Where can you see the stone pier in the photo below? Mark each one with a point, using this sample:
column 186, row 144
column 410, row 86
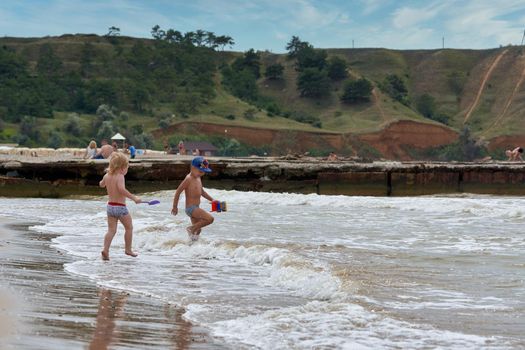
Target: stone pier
column 57, row 178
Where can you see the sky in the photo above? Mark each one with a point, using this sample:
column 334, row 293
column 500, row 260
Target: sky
column 270, row 24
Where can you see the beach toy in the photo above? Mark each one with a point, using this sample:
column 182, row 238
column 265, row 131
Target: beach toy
column 218, row 206
column 152, row 202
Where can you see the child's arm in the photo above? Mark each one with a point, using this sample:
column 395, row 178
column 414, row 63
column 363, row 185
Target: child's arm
column 182, row 187
column 206, row 195
column 102, row 182
column 122, row 189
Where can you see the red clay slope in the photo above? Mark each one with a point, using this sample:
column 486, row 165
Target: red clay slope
column 391, row 142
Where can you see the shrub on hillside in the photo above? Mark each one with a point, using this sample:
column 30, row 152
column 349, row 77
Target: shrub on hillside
column 106, row 130
column 54, row 140
column 426, row 105
column 395, row 87
column 337, row 68
column 313, row 82
column 72, row 125
column 144, row 140
column 28, row 127
column 164, row 124
column 274, row 71
column 355, row 91
column 250, row 113
column 106, row 112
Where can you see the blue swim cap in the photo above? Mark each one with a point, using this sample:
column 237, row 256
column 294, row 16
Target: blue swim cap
column 201, row 163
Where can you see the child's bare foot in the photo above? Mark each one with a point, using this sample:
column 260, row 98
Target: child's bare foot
column 105, row 256
column 189, row 229
column 133, row 254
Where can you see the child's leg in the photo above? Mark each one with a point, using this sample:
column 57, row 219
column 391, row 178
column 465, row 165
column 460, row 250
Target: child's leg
column 112, row 229
column 128, row 235
column 193, row 222
column 202, row 218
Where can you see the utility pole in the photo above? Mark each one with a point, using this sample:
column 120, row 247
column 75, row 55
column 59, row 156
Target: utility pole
column 352, row 43
column 523, row 38
column 443, row 42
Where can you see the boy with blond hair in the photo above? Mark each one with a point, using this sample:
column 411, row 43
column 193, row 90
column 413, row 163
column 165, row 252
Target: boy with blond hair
column 113, row 181
column 193, row 190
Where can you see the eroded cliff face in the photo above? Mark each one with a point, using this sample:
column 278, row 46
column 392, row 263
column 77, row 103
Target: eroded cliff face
column 506, row 142
column 391, row 142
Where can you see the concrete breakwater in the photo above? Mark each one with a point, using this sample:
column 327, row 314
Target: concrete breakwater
column 58, row 178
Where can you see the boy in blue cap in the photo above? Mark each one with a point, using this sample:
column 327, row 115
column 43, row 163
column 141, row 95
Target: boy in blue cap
column 193, row 190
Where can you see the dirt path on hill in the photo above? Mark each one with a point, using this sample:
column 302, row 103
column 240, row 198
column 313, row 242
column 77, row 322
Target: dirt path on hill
column 377, row 101
column 483, row 83
column 508, row 103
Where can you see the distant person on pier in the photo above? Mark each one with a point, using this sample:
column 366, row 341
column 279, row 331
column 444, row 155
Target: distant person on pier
column 332, row 157
column 182, row 149
column 131, row 149
column 91, row 150
column 105, row 151
column 515, row 154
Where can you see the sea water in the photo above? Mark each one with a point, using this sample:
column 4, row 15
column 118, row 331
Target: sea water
column 293, row 271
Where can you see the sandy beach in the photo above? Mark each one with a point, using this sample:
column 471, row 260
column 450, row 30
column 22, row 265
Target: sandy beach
column 52, row 309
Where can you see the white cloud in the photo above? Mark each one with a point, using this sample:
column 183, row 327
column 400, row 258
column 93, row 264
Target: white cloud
column 408, row 16
column 371, row 6
column 482, row 24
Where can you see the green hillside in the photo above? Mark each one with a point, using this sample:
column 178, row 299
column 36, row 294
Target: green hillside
column 52, row 87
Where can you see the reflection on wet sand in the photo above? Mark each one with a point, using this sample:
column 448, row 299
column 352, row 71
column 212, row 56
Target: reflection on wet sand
column 6, row 323
column 109, row 309
column 182, row 336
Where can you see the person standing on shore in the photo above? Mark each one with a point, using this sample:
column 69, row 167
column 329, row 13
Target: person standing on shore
column 116, row 209
column 193, row 190
column 515, row 154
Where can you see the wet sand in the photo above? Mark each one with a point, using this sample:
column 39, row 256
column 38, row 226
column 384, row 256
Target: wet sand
column 52, row 309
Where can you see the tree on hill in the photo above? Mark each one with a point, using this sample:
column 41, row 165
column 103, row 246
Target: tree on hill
column 86, row 59
column 466, row 148
column 240, row 83
column 337, row 68
column 28, row 127
column 357, row 91
column 113, row 31
column 224, row 40
column 313, row 82
column 308, row 57
column 274, row 71
column 100, row 92
column 295, row 45
column 250, row 61
column 395, row 87
column 426, row 105
column 49, row 65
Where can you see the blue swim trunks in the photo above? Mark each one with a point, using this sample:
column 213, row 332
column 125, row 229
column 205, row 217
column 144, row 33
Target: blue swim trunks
column 117, row 211
column 190, row 209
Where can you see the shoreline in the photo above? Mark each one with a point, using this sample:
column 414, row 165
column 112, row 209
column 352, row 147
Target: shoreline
column 59, row 310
